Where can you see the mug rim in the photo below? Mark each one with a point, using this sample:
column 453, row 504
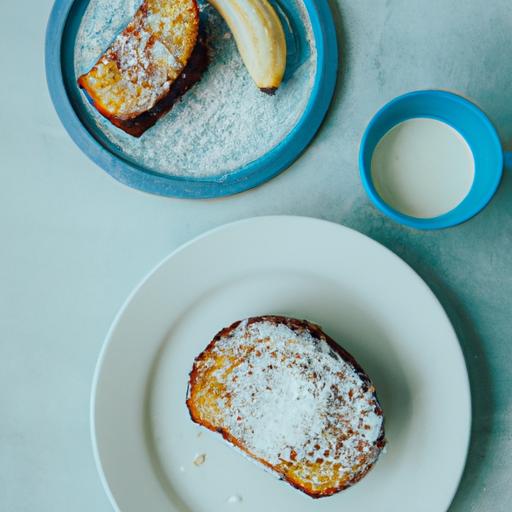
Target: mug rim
column 450, row 218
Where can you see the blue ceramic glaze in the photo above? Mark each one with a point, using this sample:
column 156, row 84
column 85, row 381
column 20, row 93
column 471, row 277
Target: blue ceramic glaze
column 469, row 121
column 61, row 33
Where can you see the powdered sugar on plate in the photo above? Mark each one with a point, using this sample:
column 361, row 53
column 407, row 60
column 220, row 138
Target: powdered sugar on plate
column 224, row 122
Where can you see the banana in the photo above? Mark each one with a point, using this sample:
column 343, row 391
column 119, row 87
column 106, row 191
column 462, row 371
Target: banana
column 260, row 39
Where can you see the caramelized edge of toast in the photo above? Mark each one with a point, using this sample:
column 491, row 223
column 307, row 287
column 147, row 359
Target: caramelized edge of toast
column 191, row 74
column 294, row 325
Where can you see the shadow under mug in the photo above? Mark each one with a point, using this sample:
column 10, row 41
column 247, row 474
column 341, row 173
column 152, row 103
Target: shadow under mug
column 469, row 121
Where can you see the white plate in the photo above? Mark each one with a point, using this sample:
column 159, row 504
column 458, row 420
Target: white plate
column 362, row 294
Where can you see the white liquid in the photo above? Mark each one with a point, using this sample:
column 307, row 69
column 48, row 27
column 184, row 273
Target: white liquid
column 423, row 168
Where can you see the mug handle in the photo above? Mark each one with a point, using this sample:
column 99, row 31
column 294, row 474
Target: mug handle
column 507, row 156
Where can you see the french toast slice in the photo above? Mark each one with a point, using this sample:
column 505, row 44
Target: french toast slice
column 288, row 396
column 149, row 65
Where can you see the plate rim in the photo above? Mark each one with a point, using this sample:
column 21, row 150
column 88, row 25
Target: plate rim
column 245, row 221
column 255, row 173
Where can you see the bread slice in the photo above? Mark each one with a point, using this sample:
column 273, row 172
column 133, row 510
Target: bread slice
column 284, row 393
column 148, row 66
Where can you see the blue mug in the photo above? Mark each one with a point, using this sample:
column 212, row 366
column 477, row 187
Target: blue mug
column 462, row 115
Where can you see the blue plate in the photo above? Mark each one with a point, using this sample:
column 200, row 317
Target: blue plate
column 61, row 33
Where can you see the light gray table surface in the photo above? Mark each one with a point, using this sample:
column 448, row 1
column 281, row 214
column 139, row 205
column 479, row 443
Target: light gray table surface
column 75, row 242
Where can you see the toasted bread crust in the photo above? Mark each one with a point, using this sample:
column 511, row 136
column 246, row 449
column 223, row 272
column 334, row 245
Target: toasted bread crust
column 149, row 65
column 197, row 384
column 189, row 77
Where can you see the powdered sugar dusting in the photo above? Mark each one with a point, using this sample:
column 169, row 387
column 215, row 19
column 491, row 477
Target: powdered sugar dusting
column 146, row 69
column 291, row 399
column 223, row 122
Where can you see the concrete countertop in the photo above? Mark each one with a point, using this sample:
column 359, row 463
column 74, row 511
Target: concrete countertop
column 75, row 241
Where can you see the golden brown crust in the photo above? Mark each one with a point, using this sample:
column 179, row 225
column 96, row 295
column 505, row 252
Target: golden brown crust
column 149, row 65
column 297, row 326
